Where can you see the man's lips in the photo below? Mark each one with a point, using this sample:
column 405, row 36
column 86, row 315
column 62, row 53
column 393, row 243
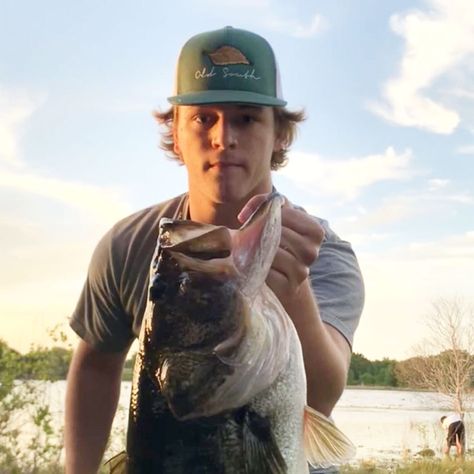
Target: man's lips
column 224, row 165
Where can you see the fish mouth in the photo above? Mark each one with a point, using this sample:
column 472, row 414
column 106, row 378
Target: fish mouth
column 247, row 250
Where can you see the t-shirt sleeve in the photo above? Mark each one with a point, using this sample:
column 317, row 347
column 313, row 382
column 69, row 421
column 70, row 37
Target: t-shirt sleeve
column 338, row 285
column 100, row 318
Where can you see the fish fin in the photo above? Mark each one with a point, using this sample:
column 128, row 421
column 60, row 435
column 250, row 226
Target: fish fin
column 118, row 464
column 262, row 352
column 261, row 452
column 324, row 444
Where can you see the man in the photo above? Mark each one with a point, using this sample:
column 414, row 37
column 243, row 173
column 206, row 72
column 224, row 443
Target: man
column 455, row 434
column 229, row 128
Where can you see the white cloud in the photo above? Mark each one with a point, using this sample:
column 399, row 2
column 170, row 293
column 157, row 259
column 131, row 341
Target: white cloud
column 97, row 201
column 453, row 247
column 15, row 108
column 462, row 93
column 465, row 150
column 437, row 183
column 394, row 209
column 436, row 41
column 347, row 178
column 460, row 198
column 239, row 4
column 402, row 284
column 402, row 207
column 296, row 28
column 277, row 19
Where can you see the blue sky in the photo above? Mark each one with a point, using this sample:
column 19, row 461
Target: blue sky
column 386, row 154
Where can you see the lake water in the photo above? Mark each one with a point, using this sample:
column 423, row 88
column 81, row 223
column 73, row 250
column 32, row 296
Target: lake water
column 383, row 424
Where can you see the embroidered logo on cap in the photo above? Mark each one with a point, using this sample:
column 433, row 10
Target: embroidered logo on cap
column 226, row 55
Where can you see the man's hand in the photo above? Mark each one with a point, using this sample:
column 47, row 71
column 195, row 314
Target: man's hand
column 326, row 353
column 301, row 238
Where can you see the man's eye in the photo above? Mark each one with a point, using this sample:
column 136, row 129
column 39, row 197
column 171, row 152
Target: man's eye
column 202, row 119
column 246, row 118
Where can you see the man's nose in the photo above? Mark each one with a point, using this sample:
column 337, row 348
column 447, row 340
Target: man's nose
column 223, row 134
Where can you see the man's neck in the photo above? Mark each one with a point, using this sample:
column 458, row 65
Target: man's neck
column 215, row 213
column 202, row 209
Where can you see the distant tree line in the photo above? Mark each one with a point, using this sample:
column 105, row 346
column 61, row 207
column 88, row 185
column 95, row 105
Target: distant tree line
column 53, row 363
column 424, row 373
column 363, row 371
column 39, row 364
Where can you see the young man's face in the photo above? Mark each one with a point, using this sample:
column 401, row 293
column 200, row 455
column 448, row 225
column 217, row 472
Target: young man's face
column 226, row 149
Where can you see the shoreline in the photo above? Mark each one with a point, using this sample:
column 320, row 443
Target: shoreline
column 387, row 387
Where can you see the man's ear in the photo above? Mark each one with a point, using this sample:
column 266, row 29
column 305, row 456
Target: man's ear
column 280, row 144
column 175, row 143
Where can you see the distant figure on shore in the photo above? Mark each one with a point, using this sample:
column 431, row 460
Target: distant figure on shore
column 456, row 434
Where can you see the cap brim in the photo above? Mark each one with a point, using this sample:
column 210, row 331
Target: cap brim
column 225, row 96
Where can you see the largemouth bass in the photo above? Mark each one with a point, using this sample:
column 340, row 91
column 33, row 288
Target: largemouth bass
column 219, row 383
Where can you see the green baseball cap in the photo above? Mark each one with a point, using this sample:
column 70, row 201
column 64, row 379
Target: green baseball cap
column 229, row 65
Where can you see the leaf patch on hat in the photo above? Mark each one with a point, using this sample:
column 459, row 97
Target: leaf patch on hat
column 226, row 55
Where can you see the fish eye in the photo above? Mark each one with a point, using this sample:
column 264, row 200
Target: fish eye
column 158, row 287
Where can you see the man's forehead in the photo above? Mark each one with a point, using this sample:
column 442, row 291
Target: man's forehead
column 223, row 107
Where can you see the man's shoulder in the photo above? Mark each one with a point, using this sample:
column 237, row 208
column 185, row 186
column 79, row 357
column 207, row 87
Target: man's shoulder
column 149, row 216
column 142, row 226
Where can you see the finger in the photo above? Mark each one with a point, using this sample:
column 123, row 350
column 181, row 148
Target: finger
column 281, row 285
column 277, row 282
column 302, row 223
column 292, row 270
column 303, row 249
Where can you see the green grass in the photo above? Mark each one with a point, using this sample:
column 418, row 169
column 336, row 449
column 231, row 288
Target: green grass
column 432, row 466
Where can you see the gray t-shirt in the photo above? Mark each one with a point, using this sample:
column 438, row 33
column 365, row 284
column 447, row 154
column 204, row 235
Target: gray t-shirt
column 111, row 306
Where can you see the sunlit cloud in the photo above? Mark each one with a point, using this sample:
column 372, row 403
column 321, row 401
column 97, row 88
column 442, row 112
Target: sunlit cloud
column 400, row 208
column 275, row 19
column 437, row 183
column 297, row 28
column 347, row 178
column 96, row 200
column 465, row 150
column 436, row 42
column 240, row 4
column 453, row 247
column 392, row 210
column 462, row 93
column 15, row 108
column 401, row 285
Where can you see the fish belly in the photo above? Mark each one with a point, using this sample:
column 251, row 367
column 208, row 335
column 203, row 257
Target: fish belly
column 283, row 403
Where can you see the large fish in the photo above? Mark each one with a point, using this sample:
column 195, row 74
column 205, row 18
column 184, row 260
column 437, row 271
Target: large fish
column 219, row 383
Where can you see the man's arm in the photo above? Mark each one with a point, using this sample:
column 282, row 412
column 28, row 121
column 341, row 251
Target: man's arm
column 326, row 352
column 93, row 390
